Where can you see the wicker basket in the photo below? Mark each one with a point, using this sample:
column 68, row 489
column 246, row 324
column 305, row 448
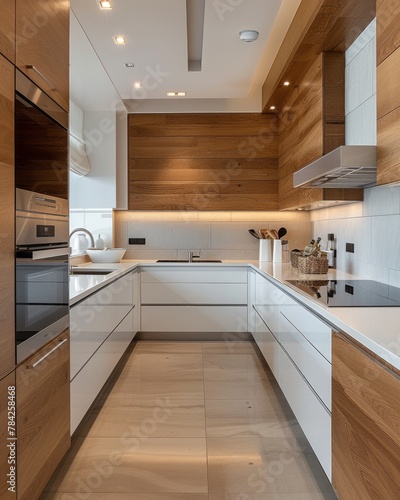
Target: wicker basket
column 294, row 257
column 312, row 264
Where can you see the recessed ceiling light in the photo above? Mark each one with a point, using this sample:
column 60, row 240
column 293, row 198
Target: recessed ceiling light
column 119, row 40
column 176, row 94
column 137, row 85
column 248, row 35
column 272, row 108
column 105, row 5
column 286, row 84
column 129, row 65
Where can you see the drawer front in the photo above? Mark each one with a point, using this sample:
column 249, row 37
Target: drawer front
column 43, row 398
column 193, row 319
column 318, row 333
column 268, row 299
column 197, row 274
column 315, row 368
column 313, row 418
column 268, row 345
column 193, row 293
column 89, row 331
column 118, row 292
column 90, row 380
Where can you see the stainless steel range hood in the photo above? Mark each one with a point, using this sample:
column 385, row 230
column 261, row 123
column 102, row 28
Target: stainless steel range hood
column 344, row 167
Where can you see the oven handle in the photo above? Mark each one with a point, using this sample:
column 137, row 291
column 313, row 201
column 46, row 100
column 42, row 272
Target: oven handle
column 43, row 254
column 61, row 342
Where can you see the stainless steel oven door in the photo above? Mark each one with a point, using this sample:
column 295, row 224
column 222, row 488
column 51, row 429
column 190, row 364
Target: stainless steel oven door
column 41, row 302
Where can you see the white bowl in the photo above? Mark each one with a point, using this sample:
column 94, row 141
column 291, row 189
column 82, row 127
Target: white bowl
column 106, row 255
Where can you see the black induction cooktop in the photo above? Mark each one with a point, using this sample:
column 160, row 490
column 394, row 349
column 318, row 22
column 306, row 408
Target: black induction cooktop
column 350, row 293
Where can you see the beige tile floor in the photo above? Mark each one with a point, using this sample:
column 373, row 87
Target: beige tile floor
column 190, row 421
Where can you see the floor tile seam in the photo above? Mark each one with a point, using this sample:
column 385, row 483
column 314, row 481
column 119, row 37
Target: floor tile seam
column 205, row 419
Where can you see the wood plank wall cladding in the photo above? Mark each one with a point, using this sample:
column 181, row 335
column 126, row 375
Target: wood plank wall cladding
column 388, row 91
column 203, row 161
column 311, row 125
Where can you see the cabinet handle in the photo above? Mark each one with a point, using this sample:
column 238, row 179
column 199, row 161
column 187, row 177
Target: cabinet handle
column 44, row 78
column 61, row 342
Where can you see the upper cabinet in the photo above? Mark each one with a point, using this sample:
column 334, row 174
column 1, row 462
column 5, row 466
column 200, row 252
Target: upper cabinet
column 42, row 48
column 388, row 91
column 7, row 29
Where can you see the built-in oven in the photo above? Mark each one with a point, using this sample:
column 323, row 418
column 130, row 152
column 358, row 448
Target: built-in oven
column 42, row 230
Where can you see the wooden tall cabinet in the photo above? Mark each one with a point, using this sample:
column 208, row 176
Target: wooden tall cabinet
column 43, row 409
column 388, row 91
column 42, row 53
column 7, row 29
column 7, row 335
column 365, row 424
column 7, row 444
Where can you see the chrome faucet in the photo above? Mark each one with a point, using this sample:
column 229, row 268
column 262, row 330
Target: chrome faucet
column 191, row 256
column 82, row 230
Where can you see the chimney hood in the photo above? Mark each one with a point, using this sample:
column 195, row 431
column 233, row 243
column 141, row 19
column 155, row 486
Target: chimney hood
column 344, row 167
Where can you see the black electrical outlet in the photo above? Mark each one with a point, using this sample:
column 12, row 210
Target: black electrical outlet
column 137, row 241
column 350, row 247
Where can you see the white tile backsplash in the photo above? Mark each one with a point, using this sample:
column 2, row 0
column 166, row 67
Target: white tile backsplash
column 216, row 236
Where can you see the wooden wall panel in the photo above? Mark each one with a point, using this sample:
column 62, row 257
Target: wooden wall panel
column 7, row 29
column 203, row 162
column 311, row 125
column 387, row 28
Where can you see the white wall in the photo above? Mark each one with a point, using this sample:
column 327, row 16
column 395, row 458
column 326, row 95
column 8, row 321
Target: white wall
column 373, row 225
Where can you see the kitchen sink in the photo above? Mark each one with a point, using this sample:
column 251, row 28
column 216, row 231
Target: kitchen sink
column 195, row 261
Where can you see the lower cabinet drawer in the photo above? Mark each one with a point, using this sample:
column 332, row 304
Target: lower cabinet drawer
column 267, row 344
column 318, row 333
column 91, row 378
column 89, row 329
column 313, row 418
column 315, row 368
column 193, row 318
column 193, row 293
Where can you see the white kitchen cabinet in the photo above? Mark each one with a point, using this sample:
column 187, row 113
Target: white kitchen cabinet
column 193, row 318
column 297, row 347
column 102, row 326
column 313, row 417
column 193, row 299
column 92, row 376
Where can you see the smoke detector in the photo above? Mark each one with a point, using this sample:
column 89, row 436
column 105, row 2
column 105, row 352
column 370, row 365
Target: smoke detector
column 248, row 35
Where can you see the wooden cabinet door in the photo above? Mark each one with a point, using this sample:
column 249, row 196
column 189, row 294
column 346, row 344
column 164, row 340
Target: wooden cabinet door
column 42, row 53
column 7, row 319
column 43, row 408
column 7, row 432
column 365, row 425
column 7, row 29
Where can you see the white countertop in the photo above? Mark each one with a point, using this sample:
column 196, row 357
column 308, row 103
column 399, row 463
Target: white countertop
column 377, row 328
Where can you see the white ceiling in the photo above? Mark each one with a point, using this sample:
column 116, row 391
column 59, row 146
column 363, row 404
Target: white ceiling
column 232, row 71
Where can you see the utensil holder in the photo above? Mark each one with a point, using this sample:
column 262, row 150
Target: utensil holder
column 277, row 251
column 266, row 250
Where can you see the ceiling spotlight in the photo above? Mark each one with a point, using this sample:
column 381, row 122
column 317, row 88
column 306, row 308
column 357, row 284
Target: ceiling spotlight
column 129, row 65
column 286, row 84
column 272, row 108
column 176, row 94
column 137, row 85
column 119, row 40
column 248, row 35
column 105, row 5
